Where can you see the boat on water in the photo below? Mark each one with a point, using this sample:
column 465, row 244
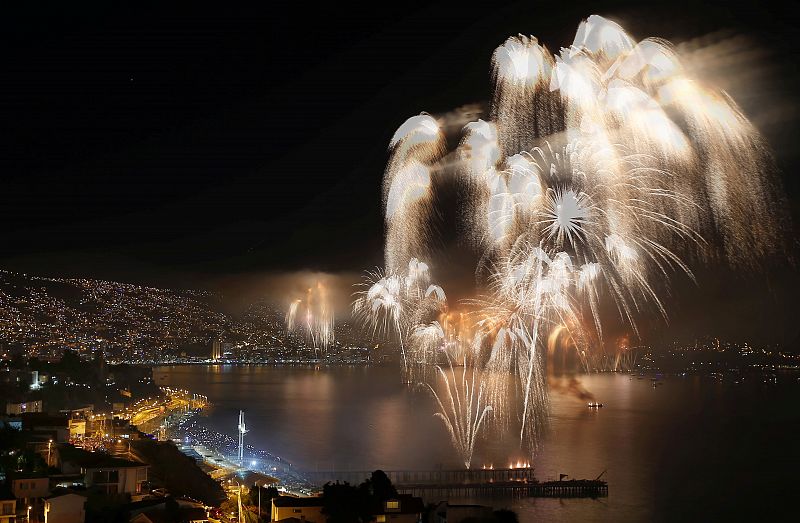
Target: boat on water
column 594, row 405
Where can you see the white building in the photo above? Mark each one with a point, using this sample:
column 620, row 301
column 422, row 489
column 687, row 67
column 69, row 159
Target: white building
column 117, row 476
column 8, row 505
column 29, row 488
column 302, row 509
column 14, row 408
column 102, row 472
column 66, row 507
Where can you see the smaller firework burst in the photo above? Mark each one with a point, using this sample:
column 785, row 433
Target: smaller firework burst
column 312, row 316
column 395, row 303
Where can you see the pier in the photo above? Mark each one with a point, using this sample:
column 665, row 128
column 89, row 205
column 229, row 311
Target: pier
column 579, row 488
column 487, row 482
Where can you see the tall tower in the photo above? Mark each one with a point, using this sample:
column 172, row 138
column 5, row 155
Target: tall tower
column 242, row 432
column 216, row 350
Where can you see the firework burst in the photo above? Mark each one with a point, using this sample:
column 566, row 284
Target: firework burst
column 599, row 175
column 395, row 303
column 313, row 317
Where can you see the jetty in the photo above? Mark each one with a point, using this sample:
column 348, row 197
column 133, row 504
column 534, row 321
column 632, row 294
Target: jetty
column 519, row 482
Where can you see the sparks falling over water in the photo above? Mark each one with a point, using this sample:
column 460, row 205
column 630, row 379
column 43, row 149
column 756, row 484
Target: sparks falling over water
column 463, row 410
column 312, row 316
column 600, row 174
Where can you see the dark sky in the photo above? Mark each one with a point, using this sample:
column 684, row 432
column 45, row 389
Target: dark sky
column 167, row 143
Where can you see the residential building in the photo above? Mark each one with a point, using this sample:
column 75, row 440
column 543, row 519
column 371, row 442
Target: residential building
column 14, row 408
column 157, row 511
column 46, row 427
column 30, row 489
column 116, row 476
column 102, row 472
column 302, row 509
column 8, row 505
column 65, row 506
column 402, row 509
column 77, row 429
column 195, row 515
column 30, row 486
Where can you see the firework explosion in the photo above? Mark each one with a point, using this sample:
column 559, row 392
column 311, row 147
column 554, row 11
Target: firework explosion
column 312, row 316
column 393, row 303
column 600, row 174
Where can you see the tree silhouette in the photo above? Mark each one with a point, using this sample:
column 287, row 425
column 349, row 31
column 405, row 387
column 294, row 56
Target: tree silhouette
column 344, row 503
column 505, row 516
column 267, row 493
column 380, row 486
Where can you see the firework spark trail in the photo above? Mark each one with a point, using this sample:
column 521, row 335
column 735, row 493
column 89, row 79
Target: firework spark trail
column 428, row 339
column 291, row 316
column 313, row 316
column 395, row 303
column 600, row 173
column 464, row 411
column 523, row 108
column 407, row 188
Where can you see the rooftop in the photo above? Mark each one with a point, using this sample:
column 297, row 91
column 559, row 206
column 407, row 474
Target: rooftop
column 5, row 492
column 293, row 501
column 13, row 475
column 60, row 492
column 95, row 460
column 33, row 420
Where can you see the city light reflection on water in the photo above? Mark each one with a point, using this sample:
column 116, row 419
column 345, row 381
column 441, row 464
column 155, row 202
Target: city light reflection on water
column 663, row 449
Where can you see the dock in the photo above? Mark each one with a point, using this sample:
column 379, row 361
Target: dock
column 517, row 482
column 579, row 488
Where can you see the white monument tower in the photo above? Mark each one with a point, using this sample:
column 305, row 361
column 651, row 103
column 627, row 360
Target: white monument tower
column 242, row 432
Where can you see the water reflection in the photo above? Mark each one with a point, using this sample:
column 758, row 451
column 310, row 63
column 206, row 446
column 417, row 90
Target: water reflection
column 690, row 448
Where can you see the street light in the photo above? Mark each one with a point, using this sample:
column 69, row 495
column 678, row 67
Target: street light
column 259, row 499
column 241, row 515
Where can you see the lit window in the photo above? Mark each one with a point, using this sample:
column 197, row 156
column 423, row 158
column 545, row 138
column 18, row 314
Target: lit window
column 393, row 505
column 381, row 518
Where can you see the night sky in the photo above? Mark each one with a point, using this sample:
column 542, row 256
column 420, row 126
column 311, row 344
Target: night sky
column 169, row 145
